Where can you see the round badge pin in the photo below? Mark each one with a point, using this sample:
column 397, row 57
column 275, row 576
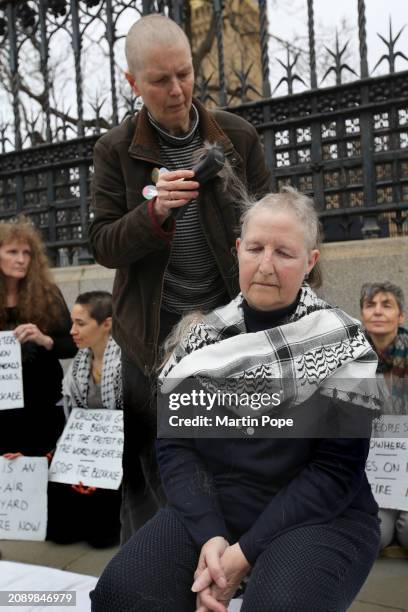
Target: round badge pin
column 149, row 192
column 155, row 175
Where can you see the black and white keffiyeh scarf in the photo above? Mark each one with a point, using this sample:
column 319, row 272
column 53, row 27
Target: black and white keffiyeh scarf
column 76, row 381
column 320, row 347
column 393, row 364
column 394, row 358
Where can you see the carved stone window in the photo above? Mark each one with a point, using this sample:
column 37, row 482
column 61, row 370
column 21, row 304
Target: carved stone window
column 384, row 195
column 356, row 198
column 332, row 178
column 303, row 135
column 381, row 121
column 62, row 216
column 330, row 151
column 383, row 172
column 352, row 125
column 282, row 159
column 282, row 138
column 403, row 116
column 8, row 201
column 381, row 143
column 76, row 232
column 353, row 148
column 303, row 156
column 326, row 104
column 43, row 220
column 355, row 176
column 35, row 190
column 63, row 233
column 306, row 182
column 332, row 201
column 404, row 140
column 329, row 130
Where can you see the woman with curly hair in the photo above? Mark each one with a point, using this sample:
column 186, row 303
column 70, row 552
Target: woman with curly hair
column 33, row 307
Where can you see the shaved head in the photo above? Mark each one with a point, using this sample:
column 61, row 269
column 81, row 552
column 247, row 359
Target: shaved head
column 150, row 32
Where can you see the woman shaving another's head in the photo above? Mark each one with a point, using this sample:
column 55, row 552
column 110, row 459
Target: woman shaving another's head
column 278, row 251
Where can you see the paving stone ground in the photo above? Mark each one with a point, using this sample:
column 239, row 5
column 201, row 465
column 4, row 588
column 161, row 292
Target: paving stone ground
column 386, row 589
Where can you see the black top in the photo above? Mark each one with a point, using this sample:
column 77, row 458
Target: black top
column 34, row 429
column 259, row 320
column 250, row 490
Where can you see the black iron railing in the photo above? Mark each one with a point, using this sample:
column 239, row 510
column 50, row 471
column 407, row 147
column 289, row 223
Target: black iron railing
column 346, row 144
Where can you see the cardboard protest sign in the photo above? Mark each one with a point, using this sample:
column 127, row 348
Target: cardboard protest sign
column 11, row 376
column 387, row 472
column 90, row 449
column 23, row 498
column 391, row 426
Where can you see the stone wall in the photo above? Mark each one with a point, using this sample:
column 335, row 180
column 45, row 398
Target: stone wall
column 346, row 266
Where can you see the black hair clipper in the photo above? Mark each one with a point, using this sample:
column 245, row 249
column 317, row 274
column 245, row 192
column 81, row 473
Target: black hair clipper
column 208, row 166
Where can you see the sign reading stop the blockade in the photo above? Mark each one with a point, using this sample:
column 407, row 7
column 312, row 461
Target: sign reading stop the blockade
column 90, row 449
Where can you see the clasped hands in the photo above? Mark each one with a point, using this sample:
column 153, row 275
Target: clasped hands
column 219, row 572
column 174, row 189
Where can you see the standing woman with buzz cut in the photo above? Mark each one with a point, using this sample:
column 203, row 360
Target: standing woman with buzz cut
column 165, row 266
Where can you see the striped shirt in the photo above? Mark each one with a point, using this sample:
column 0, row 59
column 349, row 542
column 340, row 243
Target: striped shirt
column 192, row 279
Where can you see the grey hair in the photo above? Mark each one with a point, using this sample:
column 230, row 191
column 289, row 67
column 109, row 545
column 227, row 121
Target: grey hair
column 289, row 199
column 177, row 335
column 370, row 290
column 231, row 183
column 147, row 31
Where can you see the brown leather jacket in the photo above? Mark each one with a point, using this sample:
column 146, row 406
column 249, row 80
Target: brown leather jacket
column 124, row 233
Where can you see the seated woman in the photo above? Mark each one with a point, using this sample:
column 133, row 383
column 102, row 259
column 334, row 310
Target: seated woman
column 296, row 517
column 93, row 380
column 382, row 314
column 32, row 306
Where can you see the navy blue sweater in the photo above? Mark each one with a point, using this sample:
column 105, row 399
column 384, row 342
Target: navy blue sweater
column 252, row 490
